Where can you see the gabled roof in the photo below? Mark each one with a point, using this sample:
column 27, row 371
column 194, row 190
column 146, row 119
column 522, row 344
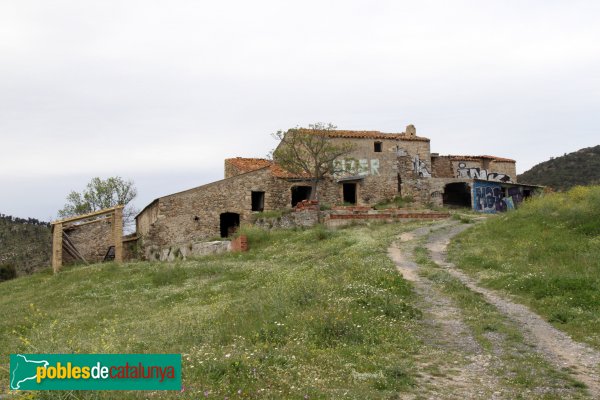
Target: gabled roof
column 364, row 135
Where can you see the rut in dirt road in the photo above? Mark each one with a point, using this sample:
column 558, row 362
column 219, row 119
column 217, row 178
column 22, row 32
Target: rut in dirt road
column 481, row 373
column 556, row 346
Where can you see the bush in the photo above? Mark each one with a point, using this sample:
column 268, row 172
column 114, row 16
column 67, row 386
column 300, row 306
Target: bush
column 396, row 202
column 7, row 272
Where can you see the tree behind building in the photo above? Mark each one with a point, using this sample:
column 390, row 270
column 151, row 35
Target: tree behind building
column 310, row 152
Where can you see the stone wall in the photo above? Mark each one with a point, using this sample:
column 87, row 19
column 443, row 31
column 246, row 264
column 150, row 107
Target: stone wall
column 194, row 214
column 442, row 167
column 380, row 171
column 91, row 240
column 301, row 218
column 501, row 171
column 146, row 218
column 184, row 251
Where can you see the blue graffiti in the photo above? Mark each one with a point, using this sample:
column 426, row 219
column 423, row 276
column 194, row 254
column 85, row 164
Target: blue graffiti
column 489, row 197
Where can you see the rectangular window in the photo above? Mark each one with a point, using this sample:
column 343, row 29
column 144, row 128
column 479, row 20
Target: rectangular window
column 378, row 146
column 258, row 201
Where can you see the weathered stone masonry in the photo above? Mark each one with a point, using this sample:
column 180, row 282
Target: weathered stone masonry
column 381, row 166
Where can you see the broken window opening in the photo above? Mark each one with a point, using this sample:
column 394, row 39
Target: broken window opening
column 300, row 193
column 378, row 147
column 258, row 201
column 229, row 224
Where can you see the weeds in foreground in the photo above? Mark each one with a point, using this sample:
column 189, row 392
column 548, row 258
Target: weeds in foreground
column 313, row 312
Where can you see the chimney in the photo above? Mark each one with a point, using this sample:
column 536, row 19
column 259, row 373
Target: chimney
column 411, row 130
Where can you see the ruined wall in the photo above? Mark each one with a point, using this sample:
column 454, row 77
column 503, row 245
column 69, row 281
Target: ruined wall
column 231, row 170
column 492, row 197
column 378, row 169
column 504, row 167
column 92, row 241
column 194, row 215
column 410, row 159
column 442, row 167
column 488, row 171
column 146, row 218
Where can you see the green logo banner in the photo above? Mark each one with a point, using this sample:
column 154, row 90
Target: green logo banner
column 95, row 371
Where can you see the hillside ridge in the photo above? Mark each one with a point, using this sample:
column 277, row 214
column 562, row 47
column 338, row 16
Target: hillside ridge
column 581, row 167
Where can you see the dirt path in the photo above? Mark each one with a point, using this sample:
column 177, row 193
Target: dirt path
column 478, row 376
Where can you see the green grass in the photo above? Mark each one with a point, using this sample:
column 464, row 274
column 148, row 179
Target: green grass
column 518, row 369
column 396, row 202
column 314, row 313
column 547, row 253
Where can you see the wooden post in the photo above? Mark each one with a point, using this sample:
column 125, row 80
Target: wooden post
column 118, row 234
column 57, row 244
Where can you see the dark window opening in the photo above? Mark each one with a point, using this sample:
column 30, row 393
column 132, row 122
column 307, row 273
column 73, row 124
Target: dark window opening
column 258, row 201
column 457, row 194
column 349, row 190
column 399, row 185
column 526, row 193
column 378, row 147
column 300, row 193
column 229, row 223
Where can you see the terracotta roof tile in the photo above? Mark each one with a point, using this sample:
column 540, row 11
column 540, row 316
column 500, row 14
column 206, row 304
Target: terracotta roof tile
column 366, row 135
column 279, row 172
column 248, row 164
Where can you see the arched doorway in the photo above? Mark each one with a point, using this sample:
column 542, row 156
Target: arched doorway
column 229, row 223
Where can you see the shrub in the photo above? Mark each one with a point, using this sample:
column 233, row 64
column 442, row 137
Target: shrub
column 396, row 202
column 7, row 271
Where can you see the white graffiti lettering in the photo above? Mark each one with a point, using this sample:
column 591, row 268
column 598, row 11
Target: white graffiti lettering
column 420, row 168
column 374, row 166
column 362, row 167
column 478, row 173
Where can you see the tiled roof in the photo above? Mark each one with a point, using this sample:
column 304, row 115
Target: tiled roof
column 478, row 158
column 248, row 164
column 252, row 164
column 365, row 135
column 279, row 172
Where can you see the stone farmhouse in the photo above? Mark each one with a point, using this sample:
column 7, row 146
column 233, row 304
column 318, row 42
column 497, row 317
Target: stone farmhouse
column 381, row 166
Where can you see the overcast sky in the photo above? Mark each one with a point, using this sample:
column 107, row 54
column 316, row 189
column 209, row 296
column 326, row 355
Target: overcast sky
column 162, row 92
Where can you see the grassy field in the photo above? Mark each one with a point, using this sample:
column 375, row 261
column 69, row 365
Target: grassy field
column 547, row 253
column 284, row 320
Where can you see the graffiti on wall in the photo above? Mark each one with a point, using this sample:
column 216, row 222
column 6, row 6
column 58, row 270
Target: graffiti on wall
column 478, row 173
column 487, row 197
column 420, row 168
column 357, row 167
column 490, row 197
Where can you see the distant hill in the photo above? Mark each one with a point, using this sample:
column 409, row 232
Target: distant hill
column 25, row 243
column 561, row 173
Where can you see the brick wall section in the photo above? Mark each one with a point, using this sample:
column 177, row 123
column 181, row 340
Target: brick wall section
column 239, row 244
column 92, row 241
